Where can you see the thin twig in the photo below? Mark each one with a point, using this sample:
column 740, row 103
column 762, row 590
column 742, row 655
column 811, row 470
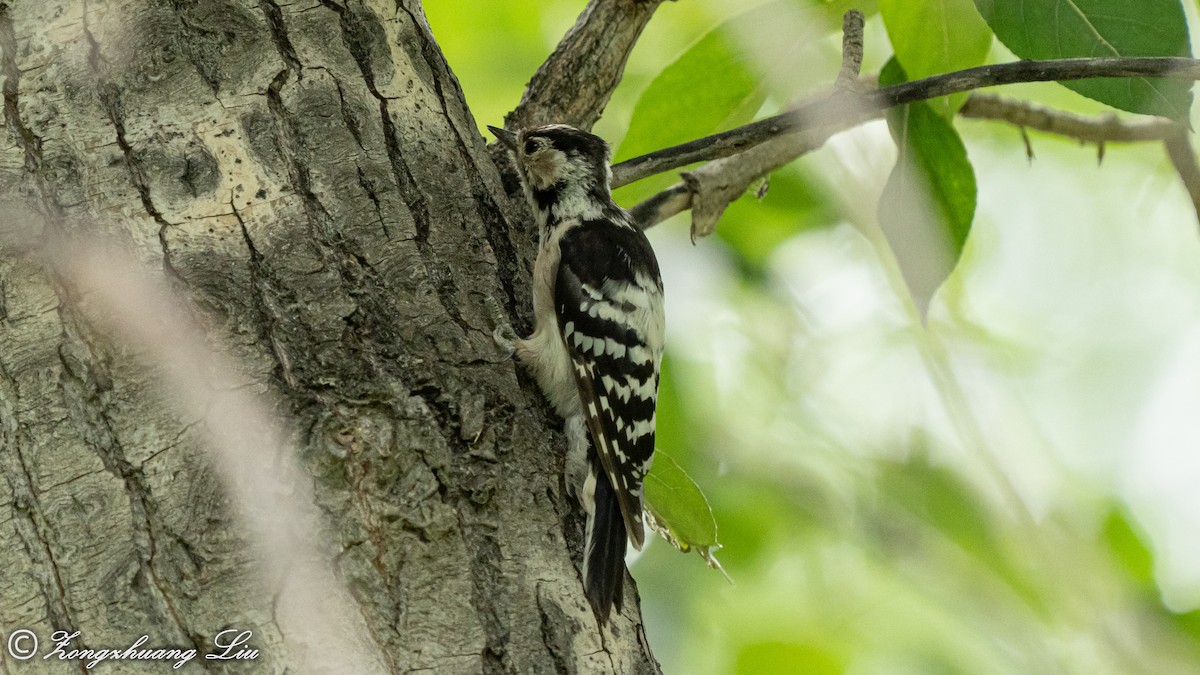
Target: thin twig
column 574, row 84
column 1104, row 129
column 843, row 110
column 1100, row 130
column 852, row 51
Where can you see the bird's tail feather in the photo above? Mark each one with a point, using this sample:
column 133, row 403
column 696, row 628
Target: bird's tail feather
column 604, row 552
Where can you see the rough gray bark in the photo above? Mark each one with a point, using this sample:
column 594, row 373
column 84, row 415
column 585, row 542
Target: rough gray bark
column 309, row 176
column 574, row 84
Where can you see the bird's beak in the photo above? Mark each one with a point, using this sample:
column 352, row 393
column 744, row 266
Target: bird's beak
column 506, row 137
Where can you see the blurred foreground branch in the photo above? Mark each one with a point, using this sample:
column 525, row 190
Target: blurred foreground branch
column 269, row 494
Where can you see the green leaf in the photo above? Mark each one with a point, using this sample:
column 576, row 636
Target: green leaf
column 932, row 152
column 710, row 83
column 1056, row 29
column 679, row 511
column 938, row 497
column 932, row 187
column 931, row 37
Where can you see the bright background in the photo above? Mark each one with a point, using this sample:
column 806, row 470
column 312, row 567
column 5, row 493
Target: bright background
column 1012, row 488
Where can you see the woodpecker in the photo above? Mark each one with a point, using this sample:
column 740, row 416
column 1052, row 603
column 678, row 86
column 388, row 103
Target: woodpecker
column 597, row 342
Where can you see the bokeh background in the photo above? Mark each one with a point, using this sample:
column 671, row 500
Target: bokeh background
column 1009, row 485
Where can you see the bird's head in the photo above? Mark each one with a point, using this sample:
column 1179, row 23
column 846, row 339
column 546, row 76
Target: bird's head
column 565, row 169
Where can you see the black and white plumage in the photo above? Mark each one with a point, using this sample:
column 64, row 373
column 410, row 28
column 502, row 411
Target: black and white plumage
column 598, row 338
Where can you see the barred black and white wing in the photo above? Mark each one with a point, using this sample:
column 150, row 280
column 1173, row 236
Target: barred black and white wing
column 608, row 294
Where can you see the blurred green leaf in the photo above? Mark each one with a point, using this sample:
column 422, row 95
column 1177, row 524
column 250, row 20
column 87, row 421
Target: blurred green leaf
column 931, row 37
column 940, row 499
column 718, row 83
column 709, row 87
column 671, row 423
column 470, row 33
column 787, row 657
column 1056, row 29
column 1188, row 623
column 1128, row 549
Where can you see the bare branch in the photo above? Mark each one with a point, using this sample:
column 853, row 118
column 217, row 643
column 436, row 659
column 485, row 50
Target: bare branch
column 709, row 189
column 576, row 81
column 1179, row 150
column 674, row 200
column 844, row 110
column 1105, row 129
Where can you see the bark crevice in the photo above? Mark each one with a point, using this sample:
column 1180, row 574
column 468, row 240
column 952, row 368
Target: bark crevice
column 110, row 99
column 261, row 283
column 439, row 273
column 28, row 517
column 85, row 387
column 30, row 143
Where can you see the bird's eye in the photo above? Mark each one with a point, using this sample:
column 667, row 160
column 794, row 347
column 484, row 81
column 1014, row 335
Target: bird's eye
column 531, row 146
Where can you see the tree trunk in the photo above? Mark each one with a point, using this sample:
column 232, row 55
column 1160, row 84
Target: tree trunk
column 309, row 177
